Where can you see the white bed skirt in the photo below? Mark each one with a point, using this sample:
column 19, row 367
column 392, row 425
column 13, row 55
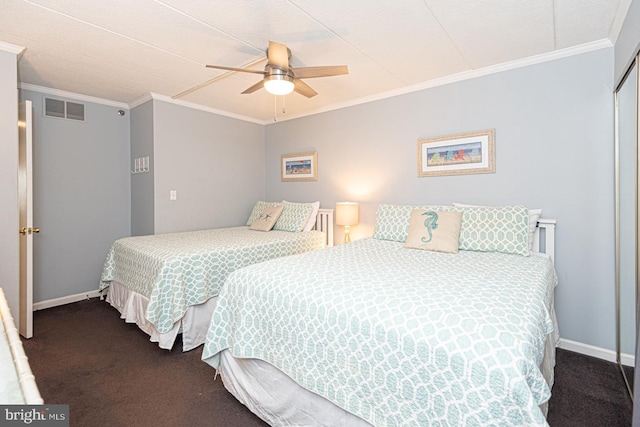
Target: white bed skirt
column 133, row 306
column 278, row 400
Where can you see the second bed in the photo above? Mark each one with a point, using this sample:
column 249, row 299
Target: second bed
column 168, row 283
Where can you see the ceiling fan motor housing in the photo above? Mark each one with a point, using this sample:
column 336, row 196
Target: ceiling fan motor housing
column 280, row 78
column 277, row 81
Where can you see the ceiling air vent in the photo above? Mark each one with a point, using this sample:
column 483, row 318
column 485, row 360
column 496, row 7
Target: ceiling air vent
column 63, row 109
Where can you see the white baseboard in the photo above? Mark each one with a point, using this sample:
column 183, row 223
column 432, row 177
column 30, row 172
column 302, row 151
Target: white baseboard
column 599, row 352
column 65, row 300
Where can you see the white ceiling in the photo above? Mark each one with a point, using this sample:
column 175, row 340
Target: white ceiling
column 125, row 50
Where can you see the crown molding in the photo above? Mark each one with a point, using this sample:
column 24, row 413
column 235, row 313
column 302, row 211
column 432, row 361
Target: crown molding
column 465, row 75
column 11, row 48
column 195, row 106
column 78, row 96
column 144, row 98
column 618, row 22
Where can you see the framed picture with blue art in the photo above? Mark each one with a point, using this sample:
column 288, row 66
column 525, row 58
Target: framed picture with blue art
column 460, row 154
column 300, row 167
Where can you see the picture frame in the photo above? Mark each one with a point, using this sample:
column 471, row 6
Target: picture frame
column 459, row 154
column 299, row 167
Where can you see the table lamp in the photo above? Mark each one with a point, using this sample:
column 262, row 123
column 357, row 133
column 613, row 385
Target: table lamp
column 346, row 215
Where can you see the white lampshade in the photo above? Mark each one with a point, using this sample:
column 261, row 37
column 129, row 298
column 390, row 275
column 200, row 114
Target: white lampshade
column 346, row 213
column 279, row 84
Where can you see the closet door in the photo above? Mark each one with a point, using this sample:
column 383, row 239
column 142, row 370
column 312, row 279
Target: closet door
column 626, row 158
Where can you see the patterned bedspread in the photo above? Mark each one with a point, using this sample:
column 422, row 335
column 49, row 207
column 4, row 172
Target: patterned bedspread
column 177, row 270
column 398, row 336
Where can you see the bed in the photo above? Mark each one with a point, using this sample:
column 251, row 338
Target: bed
column 168, row 283
column 375, row 333
column 17, row 383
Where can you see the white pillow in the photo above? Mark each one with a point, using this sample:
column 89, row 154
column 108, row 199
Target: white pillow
column 311, row 222
column 534, row 216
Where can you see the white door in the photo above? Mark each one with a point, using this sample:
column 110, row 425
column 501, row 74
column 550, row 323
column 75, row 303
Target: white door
column 25, row 201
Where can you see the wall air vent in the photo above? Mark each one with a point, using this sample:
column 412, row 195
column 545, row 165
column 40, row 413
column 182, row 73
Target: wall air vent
column 63, row 109
column 75, row 111
column 54, row 108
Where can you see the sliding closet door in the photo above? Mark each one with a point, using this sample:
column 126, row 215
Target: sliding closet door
column 627, row 218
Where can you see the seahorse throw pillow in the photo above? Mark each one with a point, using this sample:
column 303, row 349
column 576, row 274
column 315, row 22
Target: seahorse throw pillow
column 434, row 231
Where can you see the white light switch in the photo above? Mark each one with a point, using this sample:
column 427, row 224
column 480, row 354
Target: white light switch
column 173, row 195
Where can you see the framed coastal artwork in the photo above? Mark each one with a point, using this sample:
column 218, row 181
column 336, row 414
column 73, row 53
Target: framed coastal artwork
column 460, row 154
column 300, row 167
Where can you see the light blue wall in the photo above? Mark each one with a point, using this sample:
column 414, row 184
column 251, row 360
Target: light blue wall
column 9, row 250
column 81, row 185
column 554, row 150
column 215, row 163
column 142, row 200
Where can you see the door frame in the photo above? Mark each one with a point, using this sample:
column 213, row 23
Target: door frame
column 25, row 206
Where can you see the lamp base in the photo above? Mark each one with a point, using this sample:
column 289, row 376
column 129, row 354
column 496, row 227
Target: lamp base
column 347, row 234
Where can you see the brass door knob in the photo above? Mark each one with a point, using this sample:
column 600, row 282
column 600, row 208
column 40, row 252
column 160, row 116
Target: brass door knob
column 28, row 230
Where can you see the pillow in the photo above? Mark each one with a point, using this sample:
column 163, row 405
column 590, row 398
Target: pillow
column 392, row 221
column 258, row 208
column 534, row 216
column 311, row 222
column 294, row 216
column 267, row 219
column 487, row 229
column 434, row 231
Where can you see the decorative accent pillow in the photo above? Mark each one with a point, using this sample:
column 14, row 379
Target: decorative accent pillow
column 311, row 222
column 487, row 229
column 294, row 216
column 534, row 216
column 258, row 208
column 392, row 221
column 267, row 219
column 434, row 231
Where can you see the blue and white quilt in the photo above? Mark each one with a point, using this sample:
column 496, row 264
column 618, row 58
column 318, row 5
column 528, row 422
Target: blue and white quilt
column 178, row 270
column 398, row 336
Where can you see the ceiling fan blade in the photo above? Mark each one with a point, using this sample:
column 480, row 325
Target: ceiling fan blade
column 326, row 71
column 278, row 55
column 242, row 70
column 304, row 89
column 254, row 88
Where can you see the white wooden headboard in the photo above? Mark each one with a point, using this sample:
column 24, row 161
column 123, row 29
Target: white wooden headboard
column 549, row 227
column 324, row 223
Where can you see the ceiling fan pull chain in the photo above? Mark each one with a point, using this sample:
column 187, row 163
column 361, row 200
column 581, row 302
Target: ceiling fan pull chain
column 284, row 105
column 275, row 108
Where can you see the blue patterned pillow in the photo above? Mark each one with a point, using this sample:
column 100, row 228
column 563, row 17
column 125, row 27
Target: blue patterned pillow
column 534, row 216
column 392, row 221
column 486, row 229
column 294, row 216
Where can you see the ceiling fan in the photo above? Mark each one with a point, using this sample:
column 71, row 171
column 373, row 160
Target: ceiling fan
column 280, row 78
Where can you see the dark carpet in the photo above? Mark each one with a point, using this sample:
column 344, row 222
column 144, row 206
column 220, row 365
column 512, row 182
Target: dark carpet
column 109, row 374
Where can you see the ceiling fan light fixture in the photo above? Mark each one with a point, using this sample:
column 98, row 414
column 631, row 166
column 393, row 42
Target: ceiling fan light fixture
column 279, row 84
